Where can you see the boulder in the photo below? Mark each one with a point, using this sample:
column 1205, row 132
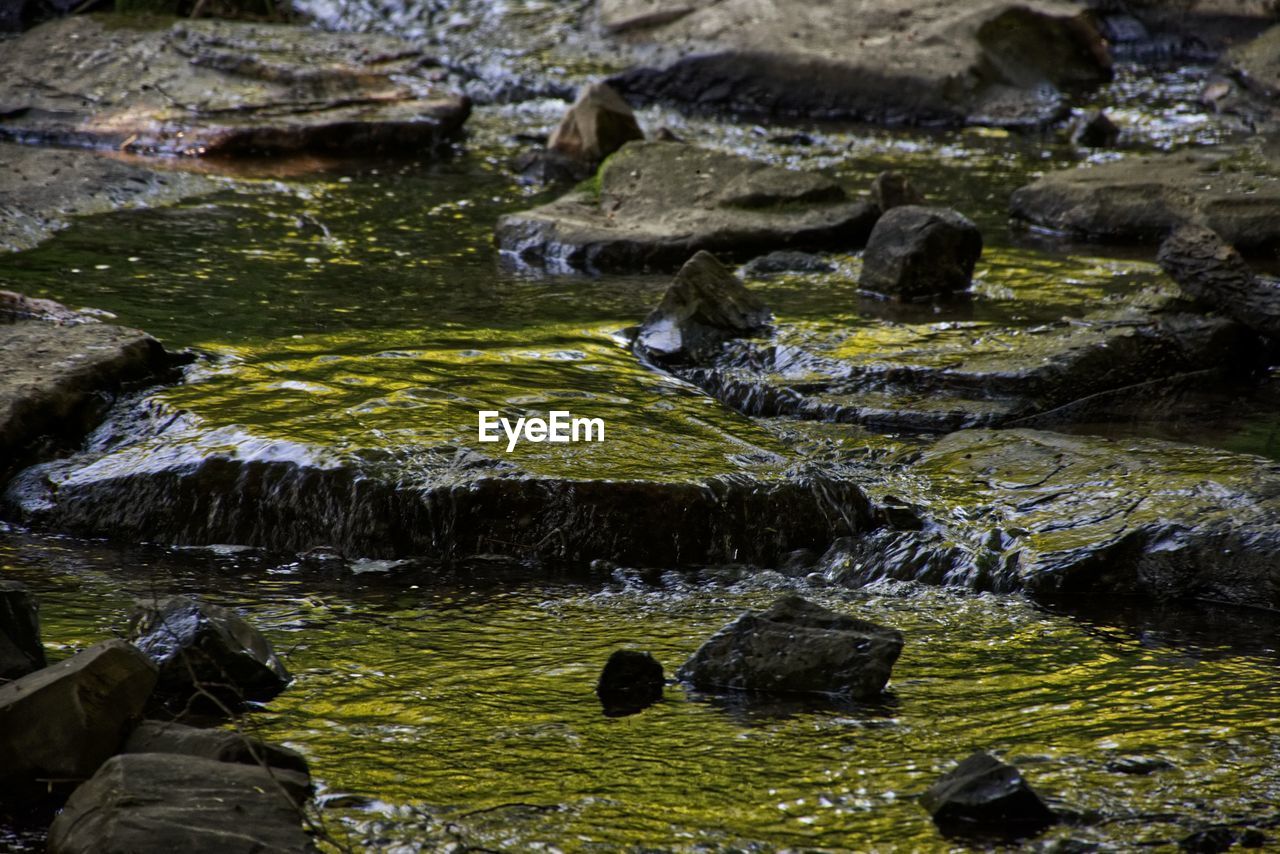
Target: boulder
column 598, row 124
column 630, row 682
column 218, row 744
column 210, row 87
column 953, row 62
column 1210, row 270
column 20, row 649
column 652, row 205
column 984, row 796
column 916, row 251
column 59, row 724
column 892, row 190
column 796, row 647
column 168, row 802
column 203, row 648
column 705, row 306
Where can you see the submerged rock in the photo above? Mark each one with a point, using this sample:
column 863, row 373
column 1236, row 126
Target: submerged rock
column 169, row 802
column 630, row 682
column 212, row 87
column 217, row 744
column 705, row 306
column 917, row 251
column 654, row 204
column 20, row 649
column 796, row 647
column 984, row 796
column 598, row 124
column 59, row 724
column 787, row 261
column 954, row 62
column 1210, row 270
column 202, row 648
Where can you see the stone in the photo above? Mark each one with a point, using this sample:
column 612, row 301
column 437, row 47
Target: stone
column 595, row 126
column 168, row 802
column 653, row 205
column 952, row 62
column 630, row 682
column 210, row 87
column 892, row 190
column 1256, row 63
column 217, row 744
column 20, row 649
column 917, row 251
column 58, row 724
column 796, row 647
column 983, row 795
column 705, row 306
column 1096, row 130
column 786, row 261
column 201, row 647
column 1210, row 270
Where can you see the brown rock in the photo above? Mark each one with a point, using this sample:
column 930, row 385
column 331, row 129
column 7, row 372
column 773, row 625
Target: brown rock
column 598, row 124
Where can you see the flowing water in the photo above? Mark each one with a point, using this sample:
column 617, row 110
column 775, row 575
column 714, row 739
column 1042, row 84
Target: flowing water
column 361, row 311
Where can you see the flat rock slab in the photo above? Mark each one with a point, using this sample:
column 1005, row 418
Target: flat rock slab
column 1143, row 199
column 654, row 204
column 150, row 86
column 953, row 62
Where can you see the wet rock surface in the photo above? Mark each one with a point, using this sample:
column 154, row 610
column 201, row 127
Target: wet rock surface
column 654, row 204
column 984, row 796
column 1209, row 269
column 796, row 647
column 988, row 62
column 630, row 682
column 20, row 649
column 59, row 724
column 219, row 745
column 161, row 802
column 214, row 87
column 916, row 251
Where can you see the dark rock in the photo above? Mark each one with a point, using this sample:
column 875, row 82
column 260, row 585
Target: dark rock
column 796, row 647
column 217, row 744
column 787, row 261
column 168, row 802
column 1138, row 766
column 654, row 204
column 984, row 796
column 1096, row 130
column 59, row 724
column 917, row 251
column 203, row 648
column 705, row 306
column 1209, row 840
column 953, row 62
column 630, row 682
column 20, row 649
column 211, row 87
column 1210, row 270
column 598, row 124
column 551, row 167
column 893, row 190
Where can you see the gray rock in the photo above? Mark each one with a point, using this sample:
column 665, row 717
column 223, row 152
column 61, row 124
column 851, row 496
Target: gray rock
column 705, row 306
column 787, row 261
column 983, row 795
column 60, row 723
column 199, row 646
column 796, row 647
column 1210, row 270
column 893, row 189
column 595, row 126
column 652, row 205
column 1256, row 63
column 168, row 802
column 919, row 251
column 20, row 649
column 630, row 682
column 218, row 744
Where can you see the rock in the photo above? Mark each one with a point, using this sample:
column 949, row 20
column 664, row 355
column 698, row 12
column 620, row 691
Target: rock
column 982, row 796
column 168, row 802
column 598, row 124
column 1096, row 130
column 953, row 62
column 199, row 646
column 1256, row 63
column 917, row 251
column 892, row 190
column 20, row 649
column 1210, row 270
column 1139, row 766
column 217, row 744
column 705, row 306
column 211, row 87
column 1144, row 198
column 57, row 379
column 654, row 204
column 796, row 647
column 550, row 167
column 1209, row 840
column 60, row 723
column 630, row 682
column 786, row 261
